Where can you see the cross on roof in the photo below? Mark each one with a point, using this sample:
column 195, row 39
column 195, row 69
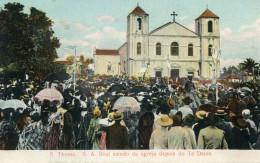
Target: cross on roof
column 173, row 14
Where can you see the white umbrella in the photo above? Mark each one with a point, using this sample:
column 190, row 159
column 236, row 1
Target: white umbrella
column 127, row 104
column 49, row 94
column 14, row 103
column 245, row 89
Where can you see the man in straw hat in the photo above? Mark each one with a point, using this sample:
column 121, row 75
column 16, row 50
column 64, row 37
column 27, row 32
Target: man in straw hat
column 159, row 137
column 178, row 137
column 201, row 123
column 116, row 137
column 240, row 134
column 186, row 110
column 224, row 125
column 211, row 137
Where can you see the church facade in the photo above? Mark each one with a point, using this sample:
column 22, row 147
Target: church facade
column 170, row 50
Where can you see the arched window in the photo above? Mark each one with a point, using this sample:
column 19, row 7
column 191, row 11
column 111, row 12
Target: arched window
column 175, row 49
column 158, row 49
column 190, row 50
column 138, row 49
column 210, row 26
column 209, row 50
column 139, row 23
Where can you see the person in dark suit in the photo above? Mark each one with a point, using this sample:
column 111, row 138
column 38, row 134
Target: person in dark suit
column 116, row 137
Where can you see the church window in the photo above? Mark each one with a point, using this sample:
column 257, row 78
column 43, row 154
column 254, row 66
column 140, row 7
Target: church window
column 158, row 49
column 190, row 50
column 175, row 49
column 109, row 66
column 210, row 26
column 210, row 50
column 138, row 49
column 139, row 23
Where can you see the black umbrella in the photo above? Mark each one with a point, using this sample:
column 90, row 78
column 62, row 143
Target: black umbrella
column 60, row 76
column 138, row 89
column 116, row 88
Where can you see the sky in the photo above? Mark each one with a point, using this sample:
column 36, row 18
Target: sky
column 102, row 23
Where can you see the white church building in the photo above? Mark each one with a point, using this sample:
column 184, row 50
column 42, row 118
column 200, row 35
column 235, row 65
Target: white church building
column 170, row 50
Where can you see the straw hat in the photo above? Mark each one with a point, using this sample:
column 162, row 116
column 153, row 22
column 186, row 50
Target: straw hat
column 208, row 108
column 118, row 115
column 164, row 120
column 170, row 103
column 239, row 123
column 220, row 112
column 120, row 94
column 246, row 113
column 201, row 114
column 187, row 99
column 154, row 99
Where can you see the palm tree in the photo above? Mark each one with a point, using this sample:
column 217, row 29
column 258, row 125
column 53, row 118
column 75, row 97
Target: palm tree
column 248, row 64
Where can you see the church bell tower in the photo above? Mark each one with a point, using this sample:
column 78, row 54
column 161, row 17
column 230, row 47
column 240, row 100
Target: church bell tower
column 137, row 40
column 207, row 27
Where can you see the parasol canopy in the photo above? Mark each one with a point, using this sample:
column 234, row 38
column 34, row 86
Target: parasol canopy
column 14, row 103
column 127, row 104
column 245, row 89
column 49, row 94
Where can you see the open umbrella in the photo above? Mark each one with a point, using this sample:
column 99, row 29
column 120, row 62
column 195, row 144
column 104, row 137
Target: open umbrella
column 127, row 104
column 139, row 88
column 49, row 94
column 60, row 76
column 245, row 89
column 14, row 103
column 116, row 88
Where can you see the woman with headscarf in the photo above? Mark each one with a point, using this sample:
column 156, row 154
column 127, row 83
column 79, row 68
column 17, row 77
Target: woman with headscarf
column 52, row 138
column 145, row 128
column 68, row 137
column 188, row 121
column 105, row 123
column 8, row 131
column 93, row 133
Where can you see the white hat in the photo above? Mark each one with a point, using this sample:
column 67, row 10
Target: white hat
column 246, row 112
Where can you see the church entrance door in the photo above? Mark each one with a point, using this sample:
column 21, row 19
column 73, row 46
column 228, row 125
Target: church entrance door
column 175, row 73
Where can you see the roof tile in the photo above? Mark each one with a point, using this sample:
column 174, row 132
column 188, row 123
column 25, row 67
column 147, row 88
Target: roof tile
column 138, row 11
column 106, row 52
column 207, row 14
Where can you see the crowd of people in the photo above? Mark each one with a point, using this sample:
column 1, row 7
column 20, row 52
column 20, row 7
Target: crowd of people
column 168, row 116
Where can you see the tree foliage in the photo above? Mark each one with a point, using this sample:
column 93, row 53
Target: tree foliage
column 27, row 43
column 248, row 65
